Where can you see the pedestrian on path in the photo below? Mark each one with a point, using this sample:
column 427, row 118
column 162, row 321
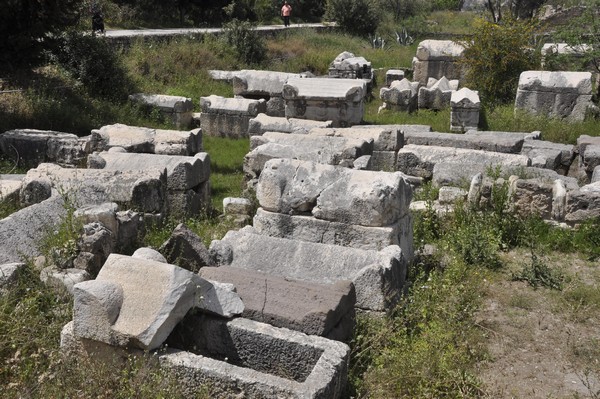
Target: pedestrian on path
column 286, row 11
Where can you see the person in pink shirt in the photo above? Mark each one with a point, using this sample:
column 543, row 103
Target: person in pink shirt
column 286, row 11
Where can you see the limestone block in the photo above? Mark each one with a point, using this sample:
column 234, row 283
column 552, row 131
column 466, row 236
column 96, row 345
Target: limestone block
column 437, row 96
column 96, row 307
column 363, row 163
column 105, row 213
column 559, row 200
column 260, row 83
column 475, row 189
column 347, row 65
column 177, row 109
column 338, row 100
column 385, row 138
column 314, row 148
column 535, row 135
column 183, row 172
column 417, row 160
column 532, row 197
column 131, row 228
column 63, row 278
column 185, row 249
column 393, row 74
column 465, row 106
column 237, row 206
column 9, row 273
column 590, row 158
column 156, row 296
column 150, row 254
column 19, row 232
column 36, row 146
column 146, row 140
column 377, row 276
column 10, row 188
column 265, row 123
column 228, row 117
column 439, row 50
column 226, row 76
column 555, row 94
column 310, row 229
column 451, row 195
column 143, row 190
column 383, row 160
column 583, row 204
column 401, row 95
column 510, row 144
column 314, row 309
column 332, row 193
column 557, row 156
column 289, row 364
column 97, row 241
column 595, row 175
column 436, row 58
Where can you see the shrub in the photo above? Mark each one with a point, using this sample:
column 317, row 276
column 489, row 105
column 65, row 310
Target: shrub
column 249, row 46
column 357, row 17
column 495, row 57
column 95, row 64
column 538, row 274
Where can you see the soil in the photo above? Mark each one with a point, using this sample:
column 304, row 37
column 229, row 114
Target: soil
column 541, row 342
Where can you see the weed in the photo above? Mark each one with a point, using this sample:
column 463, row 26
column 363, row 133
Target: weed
column 538, row 274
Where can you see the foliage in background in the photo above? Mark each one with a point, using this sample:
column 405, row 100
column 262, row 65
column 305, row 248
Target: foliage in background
column 495, row 56
column 95, row 64
column 28, row 26
column 248, row 44
column 357, row 17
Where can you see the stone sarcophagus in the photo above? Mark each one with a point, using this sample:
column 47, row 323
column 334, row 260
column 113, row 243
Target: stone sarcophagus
column 229, row 117
column 267, row 85
column 338, row 100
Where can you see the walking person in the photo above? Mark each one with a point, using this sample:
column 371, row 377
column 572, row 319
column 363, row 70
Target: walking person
column 286, row 11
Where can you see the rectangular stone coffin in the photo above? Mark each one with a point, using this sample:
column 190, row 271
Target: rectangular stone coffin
column 378, row 276
column 32, row 147
column 583, row 204
column 146, row 140
column 419, row 160
column 556, row 94
column 315, row 309
column 263, row 84
column 310, row 229
column 265, row 123
column 229, row 117
column 437, row 58
column 338, row 100
column 144, row 191
column 245, row 358
column 320, row 149
column 486, row 142
column 333, row 193
column 176, row 108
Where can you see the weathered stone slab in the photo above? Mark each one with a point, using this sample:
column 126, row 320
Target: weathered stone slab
column 418, row 160
column 556, row 94
column 33, row 147
column 437, row 58
column 183, row 172
column 338, row 100
column 583, row 204
column 20, row 232
column 451, row 195
column 314, row 309
column 140, row 301
column 150, row 254
column 237, row 206
column 228, row 117
column 437, row 96
column 465, row 106
column 289, row 364
column 9, row 273
column 532, row 197
column 392, row 75
column 265, row 123
column 595, row 175
column 332, row 193
column 377, row 276
column 348, row 66
column 400, row 96
column 320, row 149
column 510, row 144
column 385, row 138
column 265, row 84
column 590, row 158
column 535, row 135
column 146, row 140
column 10, row 187
column 176, row 108
column 141, row 190
column 63, row 279
column 556, row 156
column 185, row 249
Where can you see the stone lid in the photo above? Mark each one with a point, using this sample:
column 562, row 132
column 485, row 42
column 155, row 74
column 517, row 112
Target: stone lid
column 578, row 82
column 325, row 89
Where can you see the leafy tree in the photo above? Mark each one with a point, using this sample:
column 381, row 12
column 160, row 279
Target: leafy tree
column 357, row 17
column 28, row 26
column 496, row 55
column 249, row 46
column 518, row 9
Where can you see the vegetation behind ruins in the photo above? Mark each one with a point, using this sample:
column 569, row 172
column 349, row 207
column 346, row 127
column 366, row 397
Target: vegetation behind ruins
column 428, row 347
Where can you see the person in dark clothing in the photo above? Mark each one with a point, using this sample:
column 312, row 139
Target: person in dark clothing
column 97, row 22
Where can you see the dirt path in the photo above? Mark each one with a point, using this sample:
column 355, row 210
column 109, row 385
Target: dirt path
column 543, row 343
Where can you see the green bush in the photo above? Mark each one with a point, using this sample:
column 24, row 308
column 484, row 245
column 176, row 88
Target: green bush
column 249, row 46
column 95, row 64
column 496, row 55
column 357, row 17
